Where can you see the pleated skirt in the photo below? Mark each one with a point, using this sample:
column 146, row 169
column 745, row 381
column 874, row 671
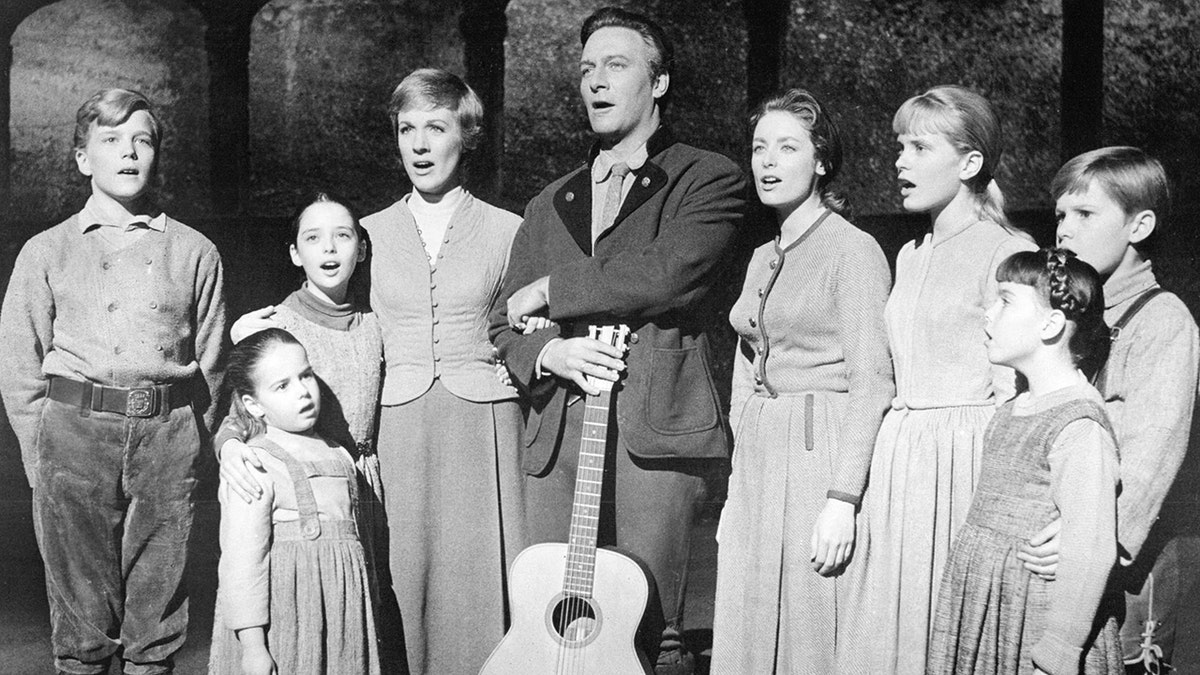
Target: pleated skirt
column 923, row 475
column 454, row 508
column 992, row 611
column 773, row 612
column 322, row 618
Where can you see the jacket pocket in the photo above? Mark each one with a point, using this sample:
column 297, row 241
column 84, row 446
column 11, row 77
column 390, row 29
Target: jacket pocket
column 680, row 398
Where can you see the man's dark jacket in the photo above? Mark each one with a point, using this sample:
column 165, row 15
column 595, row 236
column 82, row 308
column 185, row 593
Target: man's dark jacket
column 652, row 270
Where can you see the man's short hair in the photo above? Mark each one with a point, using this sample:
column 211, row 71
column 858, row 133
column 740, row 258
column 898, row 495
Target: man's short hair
column 1130, row 177
column 663, row 57
column 111, row 108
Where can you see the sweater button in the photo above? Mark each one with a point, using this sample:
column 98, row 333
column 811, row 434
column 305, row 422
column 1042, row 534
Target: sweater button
column 148, row 261
column 753, row 323
column 760, row 292
column 158, row 348
column 106, row 265
column 117, row 350
column 154, row 305
column 112, row 306
column 771, row 264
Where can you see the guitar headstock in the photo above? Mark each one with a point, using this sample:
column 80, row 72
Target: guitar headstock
column 616, row 336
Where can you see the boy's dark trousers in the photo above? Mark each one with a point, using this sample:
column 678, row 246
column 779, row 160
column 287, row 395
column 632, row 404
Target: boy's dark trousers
column 113, row 505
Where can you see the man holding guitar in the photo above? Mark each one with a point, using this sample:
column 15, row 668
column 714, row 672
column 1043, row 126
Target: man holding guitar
column 634, row 237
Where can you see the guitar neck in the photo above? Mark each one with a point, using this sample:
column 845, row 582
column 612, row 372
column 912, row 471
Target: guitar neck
column 585, row 514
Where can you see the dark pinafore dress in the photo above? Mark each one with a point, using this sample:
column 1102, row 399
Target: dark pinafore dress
column 321, row 607
column 991, row 611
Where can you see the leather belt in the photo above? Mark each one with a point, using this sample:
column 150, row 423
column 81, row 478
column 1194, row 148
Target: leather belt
column 128, row 401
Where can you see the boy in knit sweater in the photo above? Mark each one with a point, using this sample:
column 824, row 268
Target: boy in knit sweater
column 112, row 332
column 1109, row 203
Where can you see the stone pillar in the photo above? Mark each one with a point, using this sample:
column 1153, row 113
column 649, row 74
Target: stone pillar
column 228, row 45
column 6, row 54
column 484, row 26
column 766, row 26
column 1082, row 88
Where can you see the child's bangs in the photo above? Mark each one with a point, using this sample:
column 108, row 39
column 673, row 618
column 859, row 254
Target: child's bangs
column 1027, row 268
column 919, row 116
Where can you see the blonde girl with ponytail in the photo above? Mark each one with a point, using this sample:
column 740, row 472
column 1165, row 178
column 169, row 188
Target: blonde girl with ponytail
column 927, row 454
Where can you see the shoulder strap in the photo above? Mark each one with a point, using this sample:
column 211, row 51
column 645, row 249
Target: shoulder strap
column 306, row 501
column 1114, row 331
column 1146, row 296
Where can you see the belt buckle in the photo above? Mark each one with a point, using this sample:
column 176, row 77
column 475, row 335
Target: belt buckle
column 140, row 402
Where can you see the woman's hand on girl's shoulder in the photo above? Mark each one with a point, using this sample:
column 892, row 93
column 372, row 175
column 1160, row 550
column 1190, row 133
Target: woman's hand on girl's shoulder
column 833, row 537
column 239, row 463
column 253, row 322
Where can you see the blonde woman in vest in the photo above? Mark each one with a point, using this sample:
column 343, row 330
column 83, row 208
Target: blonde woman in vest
column 927, row 455
column 448, row 426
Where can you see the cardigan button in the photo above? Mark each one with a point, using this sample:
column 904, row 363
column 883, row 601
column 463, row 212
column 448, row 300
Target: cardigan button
column 106, row 265
column 760, row 292
column 772, row 264
column 753, row 323
column 570, row 196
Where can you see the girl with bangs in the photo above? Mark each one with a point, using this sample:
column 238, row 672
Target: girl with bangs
column 927, row 454
column 1050, row 453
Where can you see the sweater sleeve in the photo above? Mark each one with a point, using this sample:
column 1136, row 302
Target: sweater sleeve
column 210, row 331
column 863, row 282
column 26, row 335
column 244, row 570
column 1084, row 476
column 669, row 273
column 1160, row 391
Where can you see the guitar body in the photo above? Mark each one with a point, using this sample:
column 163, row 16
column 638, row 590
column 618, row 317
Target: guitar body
column 598, row 638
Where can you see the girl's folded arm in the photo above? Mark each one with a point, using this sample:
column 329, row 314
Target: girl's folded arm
column 245, row 567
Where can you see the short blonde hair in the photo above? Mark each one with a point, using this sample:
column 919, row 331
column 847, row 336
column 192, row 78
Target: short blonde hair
column 436, row 88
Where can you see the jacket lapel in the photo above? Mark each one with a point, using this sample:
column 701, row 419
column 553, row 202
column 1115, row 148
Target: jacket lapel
column 573, row 202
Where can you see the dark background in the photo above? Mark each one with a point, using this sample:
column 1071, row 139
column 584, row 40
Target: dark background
column 264, row 102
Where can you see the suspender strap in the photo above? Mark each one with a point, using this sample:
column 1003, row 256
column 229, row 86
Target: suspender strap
column 306, row 501
column 1114, row 332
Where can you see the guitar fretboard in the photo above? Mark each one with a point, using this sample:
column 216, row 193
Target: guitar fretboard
column 585, row 514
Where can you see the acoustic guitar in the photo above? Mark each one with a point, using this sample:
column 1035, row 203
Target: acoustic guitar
column 586, row 624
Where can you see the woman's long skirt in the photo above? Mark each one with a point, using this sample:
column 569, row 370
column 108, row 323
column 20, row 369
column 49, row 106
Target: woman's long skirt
column 454, row 509
column 774, row 613
column 923, row 475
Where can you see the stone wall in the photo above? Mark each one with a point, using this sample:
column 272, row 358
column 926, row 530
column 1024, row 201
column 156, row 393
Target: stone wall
column 64, row 53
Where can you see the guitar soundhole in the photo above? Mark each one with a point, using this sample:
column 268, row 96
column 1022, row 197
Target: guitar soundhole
column 574, row 619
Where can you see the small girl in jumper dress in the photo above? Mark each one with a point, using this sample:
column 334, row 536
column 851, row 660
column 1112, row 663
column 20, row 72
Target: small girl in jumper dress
column 1048, row 453
column 294, row 590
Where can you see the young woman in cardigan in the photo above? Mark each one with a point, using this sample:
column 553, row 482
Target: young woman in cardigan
column 812, row 380
column 927, row 454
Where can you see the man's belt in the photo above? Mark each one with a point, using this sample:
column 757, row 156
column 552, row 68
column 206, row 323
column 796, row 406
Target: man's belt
column 128, row 401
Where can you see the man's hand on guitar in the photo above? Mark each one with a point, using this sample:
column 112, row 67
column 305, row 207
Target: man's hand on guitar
column 576, row 358
column 833, row 537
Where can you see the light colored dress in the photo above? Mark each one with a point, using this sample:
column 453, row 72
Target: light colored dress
column 928, row 451
column 448, row 430
column 1044, row 458
column 292, row 562
column 345, row 350
column 811, row 383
